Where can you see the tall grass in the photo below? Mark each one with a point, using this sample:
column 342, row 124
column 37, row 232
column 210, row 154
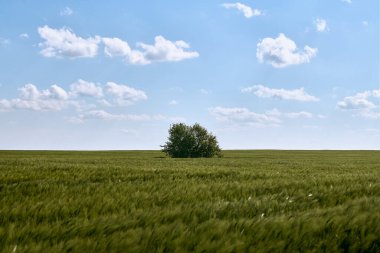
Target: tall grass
column 141, row 201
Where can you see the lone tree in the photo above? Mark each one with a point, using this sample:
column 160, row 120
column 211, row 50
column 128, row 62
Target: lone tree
column 190, row 141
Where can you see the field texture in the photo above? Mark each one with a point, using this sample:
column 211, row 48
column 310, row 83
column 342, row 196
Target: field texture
column 140, row 201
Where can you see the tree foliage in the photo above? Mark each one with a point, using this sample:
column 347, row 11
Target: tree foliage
column 191, row 141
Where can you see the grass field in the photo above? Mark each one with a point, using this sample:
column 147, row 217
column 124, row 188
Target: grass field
column 140, row 201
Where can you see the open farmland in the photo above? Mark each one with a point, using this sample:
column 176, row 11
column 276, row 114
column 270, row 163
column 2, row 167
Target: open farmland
column 141, row 201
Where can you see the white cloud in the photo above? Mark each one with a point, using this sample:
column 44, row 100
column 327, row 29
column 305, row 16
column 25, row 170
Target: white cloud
column 124, row 94
column 290, row 115
column 321, row 25
column 166, row 50
column 84, row 88
column 243, row 115
column 162, row 50
column 362, row 104
column 173, row 102
column 247, row 11
column 282, row 51
column 117, row 47
column 365, row 23
column 24, row 36
column 30, row 92
column 357, row 102
column 296, row 115
column 64, row 43
column 346, row 1
column 266, row 92
column 66, row 12
column 54, row 98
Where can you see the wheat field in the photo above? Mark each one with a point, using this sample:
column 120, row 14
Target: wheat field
column 142, row 201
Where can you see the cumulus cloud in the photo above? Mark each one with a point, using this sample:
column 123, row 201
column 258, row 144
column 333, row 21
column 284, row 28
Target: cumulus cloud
column 247, row 11
column 66, row 12
column 124, row 94
column 64, row 43
column 30, row 92
column 57, row 98
column 116, row 47
column 362, row 104
column 31, row 98
column 357, row 102
column 290, row 115
column 162, row 50
column 321, row 25
column 166, row 50
column 282, row 51
column 84, row 88
column 266, row 92
column 245, row 116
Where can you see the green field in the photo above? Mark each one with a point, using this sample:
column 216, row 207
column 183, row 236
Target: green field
column 141, row 201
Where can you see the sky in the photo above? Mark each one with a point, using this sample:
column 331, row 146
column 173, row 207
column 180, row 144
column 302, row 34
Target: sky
column 258, row 74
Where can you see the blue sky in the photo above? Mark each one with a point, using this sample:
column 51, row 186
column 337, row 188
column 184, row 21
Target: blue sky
column 294, row 74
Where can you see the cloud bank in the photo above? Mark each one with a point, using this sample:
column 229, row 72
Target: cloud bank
column 56, row 98
column 244, row 116
column 59, row 43
column 31, row 98
column 266, row 92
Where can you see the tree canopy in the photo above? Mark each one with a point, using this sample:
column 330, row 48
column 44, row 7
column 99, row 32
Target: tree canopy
column 190, row 141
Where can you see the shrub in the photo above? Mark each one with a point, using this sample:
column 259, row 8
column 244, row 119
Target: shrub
column 191, row 141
